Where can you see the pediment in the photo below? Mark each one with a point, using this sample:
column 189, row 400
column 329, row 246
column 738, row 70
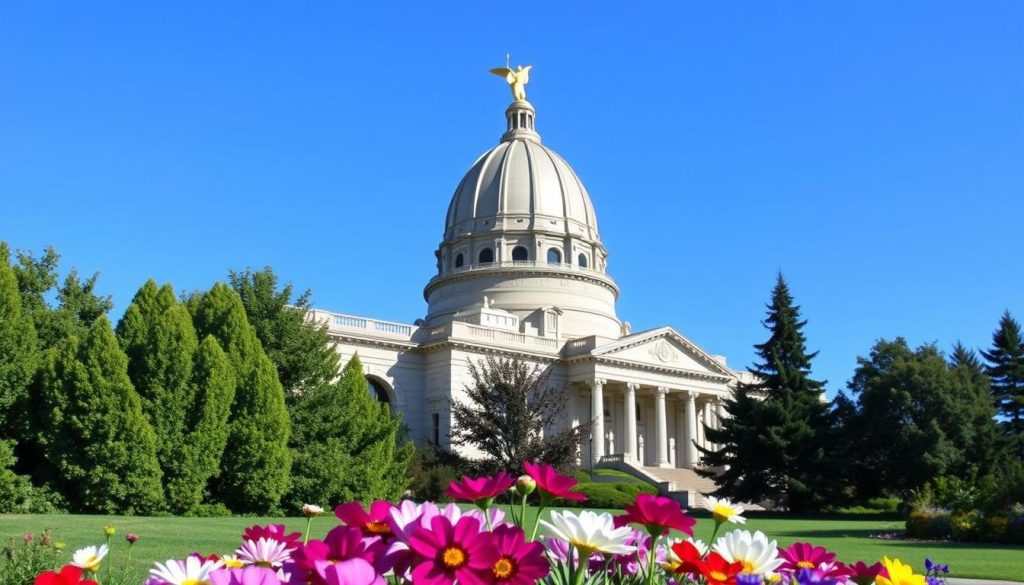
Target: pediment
column 663, row 347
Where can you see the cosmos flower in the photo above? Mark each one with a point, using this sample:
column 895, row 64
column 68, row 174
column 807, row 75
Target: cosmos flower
column 451, row 553
column 863, row 574
column 68, row 575
column 590, row 532
column 551, row 483
column 273, row 532
column 480, row 490
column 804, row 555
column 519, row 562
column 191, row 571
column 374, row 523
column 724, row 510
column 353, row 571
column 755, row 553
column 251, row 575
column 89, row 558
column 719, row 571
column 685, row 556
column 265, row 552
column 896, row 573
column 657, row 514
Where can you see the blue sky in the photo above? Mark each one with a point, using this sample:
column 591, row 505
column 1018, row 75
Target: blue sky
column 872, row 151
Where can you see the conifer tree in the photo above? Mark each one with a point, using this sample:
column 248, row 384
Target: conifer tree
column 1005, row 368
column 983, row 447
column 346, row 444
column 18, row 352
column 256, row 464
column 97, row 436
column 160, row 341
column 773, row 441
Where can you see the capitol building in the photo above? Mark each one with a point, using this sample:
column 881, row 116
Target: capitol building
column 521, row 271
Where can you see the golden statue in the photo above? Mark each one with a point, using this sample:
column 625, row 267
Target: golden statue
column 517, row 79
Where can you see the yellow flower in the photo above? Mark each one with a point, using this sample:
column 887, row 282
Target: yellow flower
column 899, row 574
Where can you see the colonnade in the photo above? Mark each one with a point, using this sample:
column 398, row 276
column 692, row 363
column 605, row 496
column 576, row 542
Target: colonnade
column 698, row 409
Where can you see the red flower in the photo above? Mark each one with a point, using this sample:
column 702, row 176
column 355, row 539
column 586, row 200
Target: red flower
column 453, row 553
column 657, row 514
column 480, row 488
column 551, row 482
column 273, row 532
column 689, row 556
column 718, row 571
column 373, row 524
column 862, row 574
column 69, row 575
column 519, row 562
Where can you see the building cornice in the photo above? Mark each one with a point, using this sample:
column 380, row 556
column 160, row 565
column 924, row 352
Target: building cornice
column 521, row 269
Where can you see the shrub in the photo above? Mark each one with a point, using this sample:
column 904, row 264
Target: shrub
column 967, row 525
column 605, row 495
column 883, row 504
column 430, row 471
column 24, row 557
column 995, row 528
column 929, row 525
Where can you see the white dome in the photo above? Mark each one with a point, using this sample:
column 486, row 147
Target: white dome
column 520, row 184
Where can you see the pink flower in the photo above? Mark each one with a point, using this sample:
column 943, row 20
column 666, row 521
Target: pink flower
column 341, row 544
column 251, row 575
column 862, row 574
column 480, row 490
column 804, row 555
column 460, row 552
column 519, row 562
column 373, row 524
column 273, row 532
column 657, row 514
column 404, row 520
column 349, row 572
column 551, row 483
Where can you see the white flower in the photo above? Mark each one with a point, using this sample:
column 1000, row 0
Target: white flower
column 311, row 510
column 89, row 558
column 191, row 571
column 232, row 562
column 758, row 555
column 724, row 510
column 590, row 532
column 265, row 552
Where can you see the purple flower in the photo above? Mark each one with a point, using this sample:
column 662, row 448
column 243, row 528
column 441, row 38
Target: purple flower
column 812, row 577
column 749, row 579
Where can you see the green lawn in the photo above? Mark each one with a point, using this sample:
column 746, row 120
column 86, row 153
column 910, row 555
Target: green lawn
column 170, row 537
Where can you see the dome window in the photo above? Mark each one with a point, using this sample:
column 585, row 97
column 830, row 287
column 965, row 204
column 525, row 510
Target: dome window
column 520, row 254
column 582, row 261
column 554, row 256
column 459, row 260
column 486, row 256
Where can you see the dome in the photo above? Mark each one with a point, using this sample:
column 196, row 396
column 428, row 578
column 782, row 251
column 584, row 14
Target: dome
column 520, row 184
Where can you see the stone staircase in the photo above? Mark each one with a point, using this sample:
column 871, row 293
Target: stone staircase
column 683, row 484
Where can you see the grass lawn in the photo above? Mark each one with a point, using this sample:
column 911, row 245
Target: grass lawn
column 162, row 538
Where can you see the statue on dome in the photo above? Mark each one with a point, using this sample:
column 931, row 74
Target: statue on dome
column 517, row 79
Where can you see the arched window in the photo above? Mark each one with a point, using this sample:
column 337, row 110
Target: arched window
column 582, row 261
column 520, row 254
column 378, row 391
column 459, row 260
column 486, row 256
column 554, row 256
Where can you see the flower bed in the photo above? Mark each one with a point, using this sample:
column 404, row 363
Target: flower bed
column 443, row 545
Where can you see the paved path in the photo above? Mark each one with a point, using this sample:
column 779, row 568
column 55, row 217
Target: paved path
column 979, row 582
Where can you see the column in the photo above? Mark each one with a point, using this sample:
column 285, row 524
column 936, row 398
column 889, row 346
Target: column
column 597, row 419
column 629, row 402
column 662, row 436
column 709, row 421
column 691, row 429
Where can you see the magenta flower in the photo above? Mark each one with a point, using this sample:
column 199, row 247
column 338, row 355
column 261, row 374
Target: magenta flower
column 373, row 524
column 273, row 532
column 348, row 572
column 404, row 519
column 551, row 483
column 449, row 553
column 342, row 543
column 480, row 490
column 251, row 575
column 657, row 514
column 804, row 555
column 862, row 574
column 519, row 562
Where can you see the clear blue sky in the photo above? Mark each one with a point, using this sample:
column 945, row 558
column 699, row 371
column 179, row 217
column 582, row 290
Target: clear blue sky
column 872, row 151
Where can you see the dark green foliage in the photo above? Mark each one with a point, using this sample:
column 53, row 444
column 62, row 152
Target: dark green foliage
column 17, row 494
column 97, row 437
column 775, row 437
column 157, row 335
column 256, row 464
column 1005, row 368
column 430, row 471
column 345, row 444
column 300, row 349
column 976, row 431
column 19, row 356
column 511, row 414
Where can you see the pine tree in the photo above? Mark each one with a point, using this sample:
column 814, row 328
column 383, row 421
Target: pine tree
column 97, row 436
column 984, row 449
column 300, row 349
column 345, row 444
column 160, row 341
column 18, row 352
column 1005, row 369
column 774, row 439
column 256, row 464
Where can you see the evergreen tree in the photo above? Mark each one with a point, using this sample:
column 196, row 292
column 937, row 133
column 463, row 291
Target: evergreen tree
column 345, row 444
column 18, row 352
column 206, row 423
column 774, row 439
column 160, row 341
column 97, row 437
column 256, row 464
column 983, row 447
column 300, row 349
column 1005, row 369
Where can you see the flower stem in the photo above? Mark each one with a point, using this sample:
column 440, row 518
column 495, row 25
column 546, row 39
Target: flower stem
column 580, row 567
column 522, row 512
column 536, row 522
column 711, row 542
column 305, row 537
column 650, row 560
